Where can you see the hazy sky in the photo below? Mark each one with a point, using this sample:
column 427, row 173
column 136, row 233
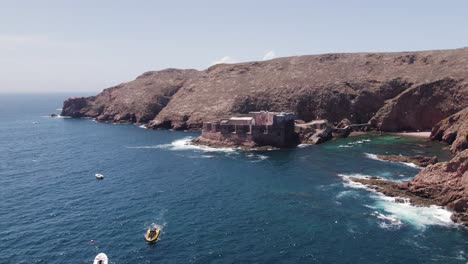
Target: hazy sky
column 88, row 45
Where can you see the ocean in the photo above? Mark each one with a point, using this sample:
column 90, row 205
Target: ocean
column 213, row 205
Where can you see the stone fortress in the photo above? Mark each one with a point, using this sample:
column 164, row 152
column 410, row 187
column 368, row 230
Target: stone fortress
column 252, row 129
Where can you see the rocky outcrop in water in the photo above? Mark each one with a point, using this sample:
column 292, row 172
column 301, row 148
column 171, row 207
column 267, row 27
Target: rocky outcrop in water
column 420, row 161
column 398, row 91
column 453, row 130
column 444, row 184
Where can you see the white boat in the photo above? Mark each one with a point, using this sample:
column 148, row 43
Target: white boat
column 101, row 258
column 99, row 176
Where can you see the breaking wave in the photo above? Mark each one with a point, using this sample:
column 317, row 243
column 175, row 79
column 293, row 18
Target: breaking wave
column 354, row 143
column 387, row 221
column 256, row 157
column 374, row 157
column 185, row 144
column 399, row 213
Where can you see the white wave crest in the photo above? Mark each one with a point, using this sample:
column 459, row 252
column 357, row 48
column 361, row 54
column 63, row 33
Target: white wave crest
column 374, row 157
column 354, row 143
column 347, row 182
column 185, row 144
column 387, row 221
column 256, row 157
column 418, row 216
column 60, row 116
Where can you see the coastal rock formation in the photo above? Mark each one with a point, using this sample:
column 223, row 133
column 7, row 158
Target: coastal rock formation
column 315, row 132
column 136, row 101
column 398, row 91
column 453, row 130
column 420, row 161
column 76, row 106
column 422, row 106
column 444, row 184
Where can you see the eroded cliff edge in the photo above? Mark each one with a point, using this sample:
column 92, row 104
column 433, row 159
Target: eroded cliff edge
column 394, row 91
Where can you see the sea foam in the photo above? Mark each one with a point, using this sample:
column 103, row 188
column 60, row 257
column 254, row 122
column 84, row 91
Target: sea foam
column 185, row 144
column 354, row 143
column 374, row 157
column 418, row 216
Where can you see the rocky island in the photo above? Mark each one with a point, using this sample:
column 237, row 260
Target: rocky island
column 389, row 92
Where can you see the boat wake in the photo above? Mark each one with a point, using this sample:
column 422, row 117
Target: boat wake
column 374, row 157
column 391, row 212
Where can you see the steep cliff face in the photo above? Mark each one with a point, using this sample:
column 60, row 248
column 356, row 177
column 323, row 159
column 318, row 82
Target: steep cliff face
column 453, row 130
column 331, row 86
column 136, row 101
column 447, row 184
column 405, row 90
column 422, row 106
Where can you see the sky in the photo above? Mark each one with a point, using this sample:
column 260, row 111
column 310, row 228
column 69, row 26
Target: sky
column 85, row 46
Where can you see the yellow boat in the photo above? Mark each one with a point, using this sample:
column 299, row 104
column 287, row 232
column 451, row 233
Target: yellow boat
column 152, row 234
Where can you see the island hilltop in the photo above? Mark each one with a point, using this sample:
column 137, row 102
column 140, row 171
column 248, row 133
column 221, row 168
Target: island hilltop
column 252, row 104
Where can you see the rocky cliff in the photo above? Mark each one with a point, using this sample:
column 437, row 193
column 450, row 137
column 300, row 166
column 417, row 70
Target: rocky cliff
column 395, row 91
column 447, row 184
column 453, row 130
column 136, row 101
column 444, row 184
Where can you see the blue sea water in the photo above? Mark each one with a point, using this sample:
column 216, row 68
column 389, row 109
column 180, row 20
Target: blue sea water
column 214, row 206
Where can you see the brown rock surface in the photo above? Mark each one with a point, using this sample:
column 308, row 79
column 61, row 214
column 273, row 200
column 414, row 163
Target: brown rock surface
column 407, row 90
column 444, row 183
column 453, row 130
column 315, row 132
column 422, row 106
column 136, row 101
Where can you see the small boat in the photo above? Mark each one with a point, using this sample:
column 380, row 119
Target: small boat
column 99, row 176
column 101, row 258
column 152, row 234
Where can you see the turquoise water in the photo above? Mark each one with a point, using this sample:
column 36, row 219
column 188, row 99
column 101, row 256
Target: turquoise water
column 223, row 206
